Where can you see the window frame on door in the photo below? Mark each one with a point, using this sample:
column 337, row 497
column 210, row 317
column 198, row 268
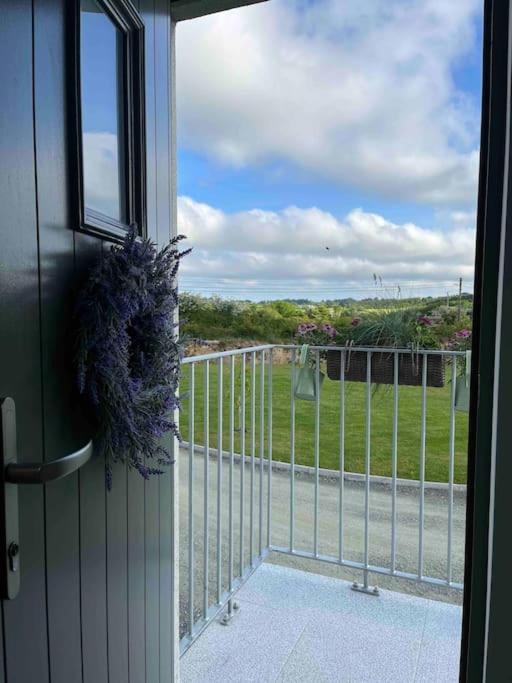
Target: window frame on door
column 126, row 18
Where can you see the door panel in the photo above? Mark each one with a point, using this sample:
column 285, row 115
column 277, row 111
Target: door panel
column 93, row 563
column 56, row 262
column 24, row 620
column 95, row 602
column 136, row 579
column 117, row 576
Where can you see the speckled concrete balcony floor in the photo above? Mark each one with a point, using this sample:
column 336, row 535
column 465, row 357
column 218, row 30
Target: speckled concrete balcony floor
column 296, row 626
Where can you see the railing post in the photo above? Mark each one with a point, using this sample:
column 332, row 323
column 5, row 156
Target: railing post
column 365, row 588
column 394, row 459
column 292, row 453
column 206, row 484
column 231, row 465
column 423, row 448
column 341, row 501
column 191, row 557
column 269, row 490
column 451, row 470
column 317, row 454
column 262, row 449
column 253, row 454
column 219, row 477
column 242, row 462
column 232, row 606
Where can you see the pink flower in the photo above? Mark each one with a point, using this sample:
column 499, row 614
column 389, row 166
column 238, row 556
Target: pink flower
column 306, row 328
column 463, row 334
column 425, row 321
column 329, row 330
column 355, row 322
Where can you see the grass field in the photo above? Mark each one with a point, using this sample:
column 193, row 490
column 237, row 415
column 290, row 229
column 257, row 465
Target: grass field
column 409, row 423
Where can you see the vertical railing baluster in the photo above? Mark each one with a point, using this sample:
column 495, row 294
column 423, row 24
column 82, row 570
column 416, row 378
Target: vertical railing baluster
column 206, row 549
column 242, row 463
column 317, row 453
column 219, row 478
column 253, row 454
column 231, row 464
column 394, row 459
column 262, row 448
column 269, row 482
column 191, row 557
column 341, row 502
column 292, row 453
column 367, row 465
column 451, row 468
column 422, row 462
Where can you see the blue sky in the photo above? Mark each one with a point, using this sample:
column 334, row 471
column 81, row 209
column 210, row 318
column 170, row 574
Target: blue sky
column 276, row 183
column 321, row 142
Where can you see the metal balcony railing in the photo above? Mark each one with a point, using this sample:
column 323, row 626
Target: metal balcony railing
column 229, row 510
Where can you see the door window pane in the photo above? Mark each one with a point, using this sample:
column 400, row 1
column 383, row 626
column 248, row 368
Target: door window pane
column 102, row 79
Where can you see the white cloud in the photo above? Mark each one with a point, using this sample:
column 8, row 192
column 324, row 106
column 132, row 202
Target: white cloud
column 290, row 245
column 101, row 172
column 358, row 92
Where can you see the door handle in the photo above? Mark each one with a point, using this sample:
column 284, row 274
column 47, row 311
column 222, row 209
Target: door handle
column 43, row 472
column 12, row 474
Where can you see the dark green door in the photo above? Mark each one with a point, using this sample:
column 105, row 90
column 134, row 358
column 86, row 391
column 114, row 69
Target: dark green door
column 95, row 602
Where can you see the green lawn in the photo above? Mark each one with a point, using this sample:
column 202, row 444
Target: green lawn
column 409, row 423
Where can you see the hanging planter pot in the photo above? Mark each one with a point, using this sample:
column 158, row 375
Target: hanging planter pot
column 462, row 387
column 410, row 367
column 307, row 382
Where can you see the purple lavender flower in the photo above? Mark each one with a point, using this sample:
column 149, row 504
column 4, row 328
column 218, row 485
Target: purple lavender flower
column 128, row 359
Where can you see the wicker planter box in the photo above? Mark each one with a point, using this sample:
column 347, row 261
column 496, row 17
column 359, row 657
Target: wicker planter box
column 410, row 368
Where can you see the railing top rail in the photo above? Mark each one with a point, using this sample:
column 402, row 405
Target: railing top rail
column 377, row 349
column 369, row 349
column 223, row 354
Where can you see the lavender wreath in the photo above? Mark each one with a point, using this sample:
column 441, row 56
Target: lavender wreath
column 128, row 355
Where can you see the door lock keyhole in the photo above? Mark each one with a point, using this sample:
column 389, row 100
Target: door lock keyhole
column 13, row 551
